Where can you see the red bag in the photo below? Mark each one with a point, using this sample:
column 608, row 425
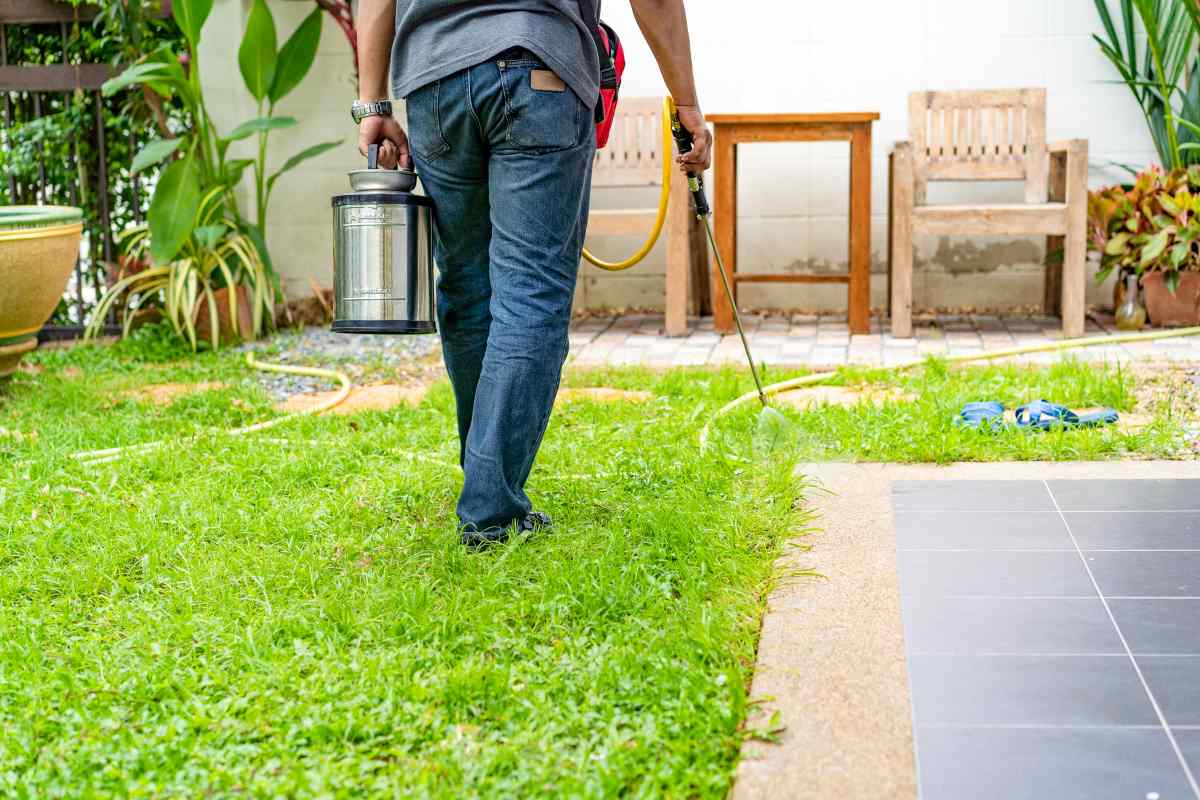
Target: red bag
column 610, row 82
column 612, row 66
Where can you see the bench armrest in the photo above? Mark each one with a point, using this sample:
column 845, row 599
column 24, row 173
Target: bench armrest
column 1068, row 146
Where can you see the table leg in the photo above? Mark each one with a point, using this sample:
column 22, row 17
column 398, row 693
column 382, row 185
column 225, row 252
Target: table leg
column 860, row 230
column 725, row 223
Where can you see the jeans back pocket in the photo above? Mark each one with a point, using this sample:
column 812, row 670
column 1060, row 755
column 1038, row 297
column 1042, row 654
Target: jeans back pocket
column 542, row 110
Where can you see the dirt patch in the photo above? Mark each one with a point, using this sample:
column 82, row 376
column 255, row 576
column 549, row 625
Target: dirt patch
column 376, row 397
column 163, row 394
column 846, row 396
column 601, row 394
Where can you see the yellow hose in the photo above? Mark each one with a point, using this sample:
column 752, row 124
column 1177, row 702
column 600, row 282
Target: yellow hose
column 1066, row 344
column 663, row 197
column 114, row 453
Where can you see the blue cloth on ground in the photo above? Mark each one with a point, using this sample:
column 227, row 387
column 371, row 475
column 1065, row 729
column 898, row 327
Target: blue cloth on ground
column 1044, row 416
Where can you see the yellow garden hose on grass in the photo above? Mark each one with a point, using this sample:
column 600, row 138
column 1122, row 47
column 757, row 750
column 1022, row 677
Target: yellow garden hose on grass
column 663, row 197
column 114, row 453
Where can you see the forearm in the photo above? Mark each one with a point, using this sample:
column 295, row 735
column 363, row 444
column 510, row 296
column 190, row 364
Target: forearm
column 376, row 29
column 664, row 24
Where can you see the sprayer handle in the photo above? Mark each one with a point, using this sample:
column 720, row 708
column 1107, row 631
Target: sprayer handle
column 684, row 141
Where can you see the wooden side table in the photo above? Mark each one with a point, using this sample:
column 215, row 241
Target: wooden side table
column 730, row 130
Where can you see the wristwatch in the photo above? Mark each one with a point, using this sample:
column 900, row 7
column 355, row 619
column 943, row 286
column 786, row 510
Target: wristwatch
column 376, row 108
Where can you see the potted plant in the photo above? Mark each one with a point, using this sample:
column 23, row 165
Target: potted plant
column 215, row 289
column 38, row 249
column 1152, row 229
column 197, row 236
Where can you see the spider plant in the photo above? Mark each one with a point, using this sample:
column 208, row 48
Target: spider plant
column 216, row 255
column 1164, row 79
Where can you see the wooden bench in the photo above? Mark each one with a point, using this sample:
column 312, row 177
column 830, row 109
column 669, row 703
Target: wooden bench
column 632, row 159
column 997, row 135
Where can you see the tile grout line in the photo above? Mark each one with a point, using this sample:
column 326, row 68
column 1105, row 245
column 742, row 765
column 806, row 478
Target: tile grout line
column 1056, row 596
column 1035, row 654
column 1047, row 511
column 1048, row 550
column 1187, row 770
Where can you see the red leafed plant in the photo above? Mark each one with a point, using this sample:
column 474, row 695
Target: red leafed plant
column 343, row 15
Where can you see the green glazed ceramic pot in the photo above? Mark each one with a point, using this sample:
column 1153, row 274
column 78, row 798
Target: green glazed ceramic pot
column 38, row 249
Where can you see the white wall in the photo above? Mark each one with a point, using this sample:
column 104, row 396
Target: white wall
column 768, row 56
column 867, row 55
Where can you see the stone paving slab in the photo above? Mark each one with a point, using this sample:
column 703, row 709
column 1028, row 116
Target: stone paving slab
column 831, row 657
column 806, row 340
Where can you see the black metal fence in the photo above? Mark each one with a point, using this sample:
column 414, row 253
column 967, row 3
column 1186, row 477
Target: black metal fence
column 57, row 142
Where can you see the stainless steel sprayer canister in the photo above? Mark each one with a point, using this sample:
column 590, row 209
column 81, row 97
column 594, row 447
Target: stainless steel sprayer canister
column 383, row 254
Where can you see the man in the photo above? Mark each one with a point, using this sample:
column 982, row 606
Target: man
column 500, row 97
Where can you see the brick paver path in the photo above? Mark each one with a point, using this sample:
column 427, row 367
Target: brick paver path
column 825, row 341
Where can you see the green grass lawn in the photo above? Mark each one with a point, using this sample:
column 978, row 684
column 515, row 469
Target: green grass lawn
column 242, row 617
column 259, row 617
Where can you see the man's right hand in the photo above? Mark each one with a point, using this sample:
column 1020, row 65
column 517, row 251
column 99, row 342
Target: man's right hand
column 391, row 138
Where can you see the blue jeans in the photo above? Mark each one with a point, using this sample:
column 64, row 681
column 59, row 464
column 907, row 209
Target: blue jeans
column 509, row 169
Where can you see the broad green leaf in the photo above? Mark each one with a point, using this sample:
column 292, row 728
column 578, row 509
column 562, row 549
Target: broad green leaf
column 137, row 73
column 296, row 56
column 234, row 170
column 1117, row 244
column 1178, row 254
column 302, row 156
column 190, row 16
column 1155, row 247
column 259, row 124
column 173, row 209
column 256, row 56
column 1171, row 279
column 153, row 153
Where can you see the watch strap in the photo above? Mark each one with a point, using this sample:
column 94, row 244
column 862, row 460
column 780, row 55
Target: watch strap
column 375, row 108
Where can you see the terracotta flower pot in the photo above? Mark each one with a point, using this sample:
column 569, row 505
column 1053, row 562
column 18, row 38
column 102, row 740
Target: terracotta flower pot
column 229, row 333
column 1166, row 309
column 38, row 249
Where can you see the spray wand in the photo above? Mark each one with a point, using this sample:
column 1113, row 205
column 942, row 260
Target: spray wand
column 684, row 141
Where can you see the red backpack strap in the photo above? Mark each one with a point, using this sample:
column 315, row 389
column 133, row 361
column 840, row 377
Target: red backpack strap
column 590, row 11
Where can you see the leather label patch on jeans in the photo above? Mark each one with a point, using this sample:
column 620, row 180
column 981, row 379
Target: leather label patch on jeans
column 543, row 80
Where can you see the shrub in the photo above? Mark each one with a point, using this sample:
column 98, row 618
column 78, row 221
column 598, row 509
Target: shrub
column 1151, row 225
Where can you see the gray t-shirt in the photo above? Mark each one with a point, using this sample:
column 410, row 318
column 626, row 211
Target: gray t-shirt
column 436, row 38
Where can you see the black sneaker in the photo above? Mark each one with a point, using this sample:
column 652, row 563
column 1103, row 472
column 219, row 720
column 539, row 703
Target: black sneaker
column 533, row 522
column 536, row 522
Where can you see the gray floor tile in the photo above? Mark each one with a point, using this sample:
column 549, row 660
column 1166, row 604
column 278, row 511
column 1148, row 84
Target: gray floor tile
column 1189, row 743
column 1146, row 573
column 1126, row 495
column 970, row 496
column 1065, row 764
column 1175, row 682
column 990, row 530
column 1001, row 574
column 1138, row 530
column 1159, row 626
column 1022, row 690
column 984, row 625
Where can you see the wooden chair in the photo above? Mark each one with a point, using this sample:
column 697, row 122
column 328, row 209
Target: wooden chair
column 990, row 136
column 633, row 159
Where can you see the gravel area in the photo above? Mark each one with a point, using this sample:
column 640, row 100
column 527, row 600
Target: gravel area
column 407, row 360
